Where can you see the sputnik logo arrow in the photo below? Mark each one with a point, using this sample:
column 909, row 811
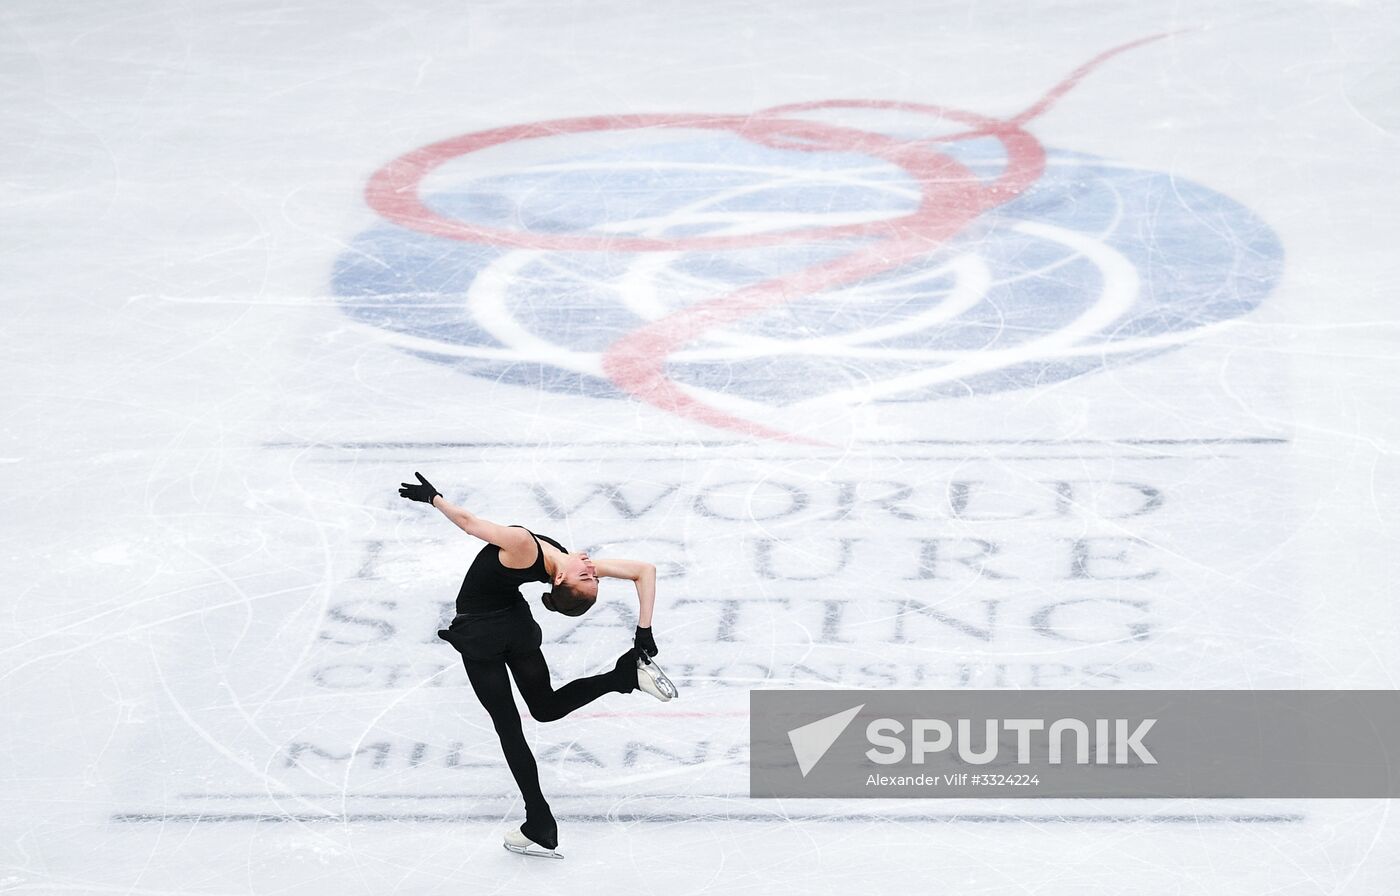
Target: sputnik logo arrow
column 811, row 741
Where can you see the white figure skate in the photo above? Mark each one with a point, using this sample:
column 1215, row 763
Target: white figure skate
column 651, row 679
column 517, row 842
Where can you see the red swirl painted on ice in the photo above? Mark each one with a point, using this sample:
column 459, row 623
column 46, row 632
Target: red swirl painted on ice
column 951, row 197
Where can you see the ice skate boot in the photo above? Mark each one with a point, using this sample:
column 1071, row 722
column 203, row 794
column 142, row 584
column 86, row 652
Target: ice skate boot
column 517, row 842
column 651, row 679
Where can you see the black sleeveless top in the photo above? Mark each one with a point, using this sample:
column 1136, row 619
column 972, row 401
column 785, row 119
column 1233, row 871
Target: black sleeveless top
column 489, row 586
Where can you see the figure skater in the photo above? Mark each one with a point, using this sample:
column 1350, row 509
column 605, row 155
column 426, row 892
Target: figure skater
column 494, row 631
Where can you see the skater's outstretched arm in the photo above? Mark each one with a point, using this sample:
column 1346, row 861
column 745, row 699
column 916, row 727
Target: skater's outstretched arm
column 515, row 543
column 642, row 574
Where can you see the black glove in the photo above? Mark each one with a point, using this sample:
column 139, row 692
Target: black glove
column 425, row 492
column 645, row 642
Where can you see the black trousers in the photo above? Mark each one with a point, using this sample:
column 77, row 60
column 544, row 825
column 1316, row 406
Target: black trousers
column 491, row 644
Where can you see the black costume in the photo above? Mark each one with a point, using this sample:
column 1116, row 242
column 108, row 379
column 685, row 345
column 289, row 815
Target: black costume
column 494, row 631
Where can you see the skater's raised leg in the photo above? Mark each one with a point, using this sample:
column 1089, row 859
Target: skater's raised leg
column 531, row 673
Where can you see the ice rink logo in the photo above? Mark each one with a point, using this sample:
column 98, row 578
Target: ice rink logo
column 745, row 270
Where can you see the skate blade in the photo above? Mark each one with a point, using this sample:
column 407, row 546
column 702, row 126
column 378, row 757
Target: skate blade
column 538, row 852
column 661, row 687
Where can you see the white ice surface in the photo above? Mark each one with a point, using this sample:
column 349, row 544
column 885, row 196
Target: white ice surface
column 209, row 576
